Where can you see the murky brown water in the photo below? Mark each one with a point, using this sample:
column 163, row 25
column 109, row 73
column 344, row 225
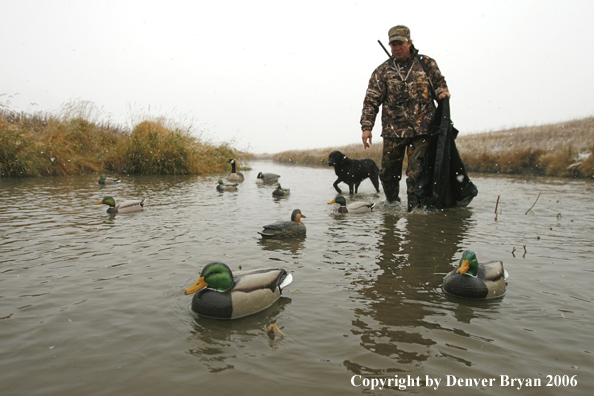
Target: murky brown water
column 94, row 303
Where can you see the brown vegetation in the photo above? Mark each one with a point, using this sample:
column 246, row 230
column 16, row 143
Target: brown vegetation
column 73, row 143
column 564, row 149
column 320, row 156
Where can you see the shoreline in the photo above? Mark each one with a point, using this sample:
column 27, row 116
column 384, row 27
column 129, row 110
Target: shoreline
column 563, row 149
column 42, row 144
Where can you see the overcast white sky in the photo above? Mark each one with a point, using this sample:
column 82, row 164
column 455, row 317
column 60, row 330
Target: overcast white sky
column 274, row 76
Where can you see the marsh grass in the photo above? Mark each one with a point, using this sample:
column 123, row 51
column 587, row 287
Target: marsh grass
column 564, row 150
column 152, row 148
column 320, row 156
column 75, row 142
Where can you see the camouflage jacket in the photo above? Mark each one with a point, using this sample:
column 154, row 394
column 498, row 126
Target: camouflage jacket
column 406, row 99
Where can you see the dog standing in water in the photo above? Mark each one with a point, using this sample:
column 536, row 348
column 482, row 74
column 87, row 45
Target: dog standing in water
column 353, row 171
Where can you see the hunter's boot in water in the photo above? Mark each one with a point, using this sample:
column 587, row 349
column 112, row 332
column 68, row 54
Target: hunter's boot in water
column 391, row 195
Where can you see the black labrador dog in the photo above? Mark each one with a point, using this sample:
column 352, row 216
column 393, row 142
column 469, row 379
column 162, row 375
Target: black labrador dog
column 353, row 171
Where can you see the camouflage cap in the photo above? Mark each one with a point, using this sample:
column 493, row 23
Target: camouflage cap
column 399, row 33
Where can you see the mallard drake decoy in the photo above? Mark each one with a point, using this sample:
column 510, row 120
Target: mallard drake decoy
column 286, row 229
column 234, row 176
column 279, row 191
column 226, row 187
column 132, row 205
column 267, row 178
column 103, row 180
column 222, row 294
column 355, row 207
column 474, row 280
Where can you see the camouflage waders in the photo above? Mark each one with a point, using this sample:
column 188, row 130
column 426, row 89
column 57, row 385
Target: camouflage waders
column 391, row 171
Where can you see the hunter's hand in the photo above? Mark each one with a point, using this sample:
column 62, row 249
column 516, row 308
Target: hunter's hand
column 366, row 139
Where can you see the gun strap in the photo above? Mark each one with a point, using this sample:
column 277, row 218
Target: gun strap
column 424, row 64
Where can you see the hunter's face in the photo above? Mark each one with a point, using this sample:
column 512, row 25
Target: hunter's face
column 400, row 49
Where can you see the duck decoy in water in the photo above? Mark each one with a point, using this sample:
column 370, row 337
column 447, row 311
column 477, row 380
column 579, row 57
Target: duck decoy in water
column 474, row 280
column 355, row 207
column 221, row 294
column 132, row 205
column 234, row 176
column 267, row 178
column 286, row 229
column 279, row 191
column 226, row 187
column 103, row 180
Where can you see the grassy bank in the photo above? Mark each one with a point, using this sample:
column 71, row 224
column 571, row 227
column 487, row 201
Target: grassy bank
column 563, row 150
column 74, row 142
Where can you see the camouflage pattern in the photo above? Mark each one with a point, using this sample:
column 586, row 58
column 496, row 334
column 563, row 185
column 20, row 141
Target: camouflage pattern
column 399, row 33
column 391, row 172
column 407, row 106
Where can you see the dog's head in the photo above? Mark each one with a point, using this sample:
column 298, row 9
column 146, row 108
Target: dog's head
column 335, row 158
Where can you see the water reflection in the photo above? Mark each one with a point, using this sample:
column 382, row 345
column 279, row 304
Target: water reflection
column 215, row 341
column 293, row 245
column 108, row 302
column 465, row 310
column 415, row 251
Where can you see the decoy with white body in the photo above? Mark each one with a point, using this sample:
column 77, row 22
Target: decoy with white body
column 221, row 294
column 103, row 180
column 132, row 205
column 226, row 187
column 355, row 207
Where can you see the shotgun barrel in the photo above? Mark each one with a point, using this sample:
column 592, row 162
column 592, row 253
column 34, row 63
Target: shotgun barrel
column 380, row 43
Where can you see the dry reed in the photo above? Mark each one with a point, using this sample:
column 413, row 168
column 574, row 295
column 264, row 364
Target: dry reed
column 320, row 156
column 564, row 150
column 76, row 142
